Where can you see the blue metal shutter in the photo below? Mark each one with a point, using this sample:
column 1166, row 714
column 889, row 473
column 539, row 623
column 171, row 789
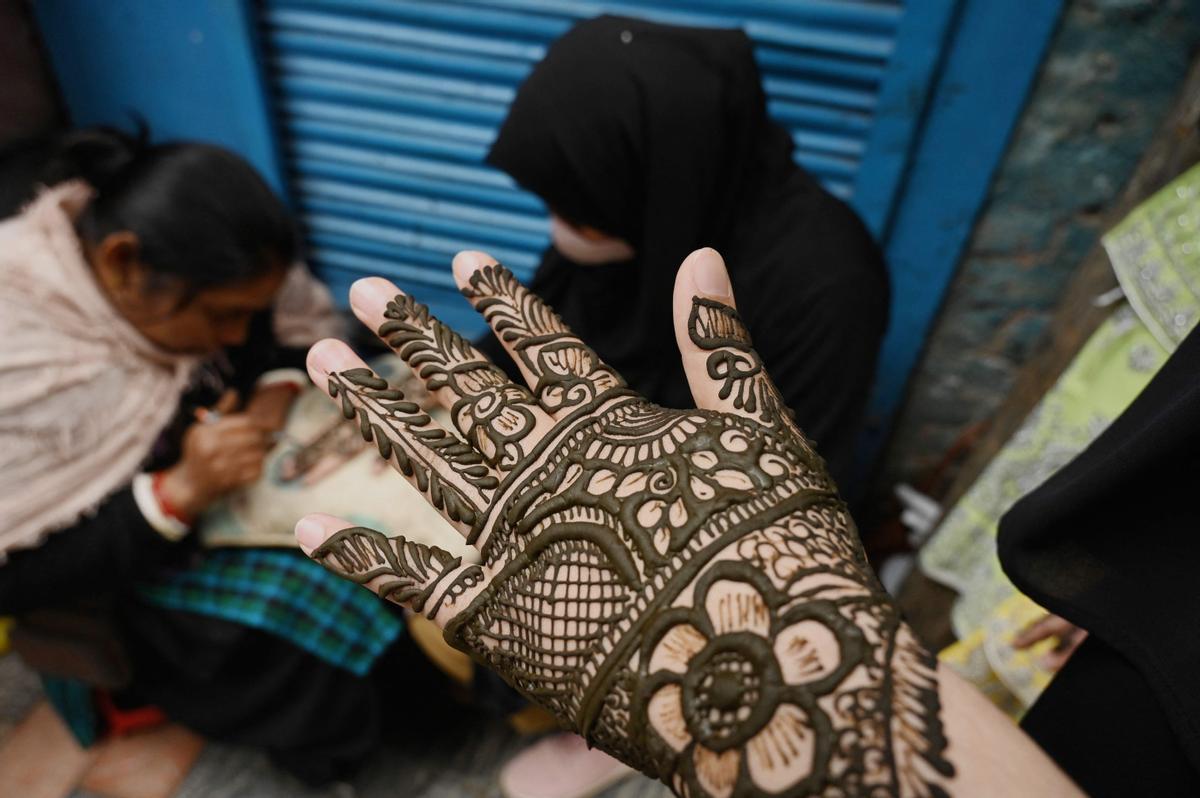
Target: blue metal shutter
column 386, row 109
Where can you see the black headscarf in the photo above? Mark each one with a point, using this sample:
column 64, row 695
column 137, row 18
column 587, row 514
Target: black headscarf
column 1112, row 543
column 659, row 135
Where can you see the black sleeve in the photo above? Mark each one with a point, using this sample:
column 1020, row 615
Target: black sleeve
column 823, row 362
column 102, row 553
column 261, row 353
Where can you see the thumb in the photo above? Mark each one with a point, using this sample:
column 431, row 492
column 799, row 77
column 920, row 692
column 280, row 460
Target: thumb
column 227, row 403
column 722, row 368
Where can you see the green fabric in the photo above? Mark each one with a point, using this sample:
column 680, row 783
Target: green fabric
column 1112, row 368
column 285, row 593
column 1155, row 253
column 72, row 700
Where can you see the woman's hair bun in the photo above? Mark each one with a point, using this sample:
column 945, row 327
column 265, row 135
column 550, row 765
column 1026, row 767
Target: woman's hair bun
column 101, row 156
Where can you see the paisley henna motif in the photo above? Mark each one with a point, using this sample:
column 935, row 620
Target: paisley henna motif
column 491, row 412
column 684, row 588
column 410, row 571
column 567, row 372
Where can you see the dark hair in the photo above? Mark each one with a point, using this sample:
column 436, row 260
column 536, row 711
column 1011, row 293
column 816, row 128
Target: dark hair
column 202, row 215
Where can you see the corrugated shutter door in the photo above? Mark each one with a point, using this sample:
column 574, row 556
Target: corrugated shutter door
column 386, row 109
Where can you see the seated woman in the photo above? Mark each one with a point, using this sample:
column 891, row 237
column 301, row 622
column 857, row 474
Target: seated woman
column 151, row 311
column 646, row 142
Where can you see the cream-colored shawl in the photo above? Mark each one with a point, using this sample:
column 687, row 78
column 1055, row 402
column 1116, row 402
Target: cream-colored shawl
column 83, row 395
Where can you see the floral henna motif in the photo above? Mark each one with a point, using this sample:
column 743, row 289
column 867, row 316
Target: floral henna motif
column 684, row 588
column 568, row 373
column 740, row 675
column 493, row 414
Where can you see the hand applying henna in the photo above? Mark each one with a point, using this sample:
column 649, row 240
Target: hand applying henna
column 683, row 587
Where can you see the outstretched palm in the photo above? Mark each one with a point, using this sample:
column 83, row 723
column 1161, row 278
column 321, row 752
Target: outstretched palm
column 683, row 587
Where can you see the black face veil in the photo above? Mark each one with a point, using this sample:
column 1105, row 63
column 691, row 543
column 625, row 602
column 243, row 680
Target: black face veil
column 1112, row 541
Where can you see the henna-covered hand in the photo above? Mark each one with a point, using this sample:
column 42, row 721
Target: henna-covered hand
column 682, row 587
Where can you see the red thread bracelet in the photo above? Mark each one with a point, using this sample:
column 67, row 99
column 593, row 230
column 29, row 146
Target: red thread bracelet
column 164, row 503
column 294, row 387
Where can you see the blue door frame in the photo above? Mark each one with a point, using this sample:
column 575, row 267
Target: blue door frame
column 193, row 70
column 190, row 68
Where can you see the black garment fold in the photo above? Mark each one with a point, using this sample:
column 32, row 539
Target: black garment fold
column 659, row 135
column 1112, row 543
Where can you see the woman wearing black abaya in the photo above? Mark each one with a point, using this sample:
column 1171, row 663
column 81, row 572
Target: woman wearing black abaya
column 647, row 142
column 1112, row 544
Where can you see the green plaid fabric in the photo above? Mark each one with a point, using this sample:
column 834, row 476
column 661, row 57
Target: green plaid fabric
column 286, row 594
column 72, row 700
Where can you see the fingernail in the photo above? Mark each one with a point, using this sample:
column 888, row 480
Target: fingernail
column 317, row 362
column 709, row 275
column 468, row 262
column 309, row 534
column 371, row 293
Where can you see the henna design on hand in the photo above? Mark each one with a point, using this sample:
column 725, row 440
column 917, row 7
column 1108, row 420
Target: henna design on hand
column 410, row 572
column 717, row 328
column 383, row 413
column 684, row 588
column 491, row 412
column 566, row 372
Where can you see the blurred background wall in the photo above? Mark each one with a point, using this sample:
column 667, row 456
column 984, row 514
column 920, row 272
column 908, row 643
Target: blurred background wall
column 373, row 116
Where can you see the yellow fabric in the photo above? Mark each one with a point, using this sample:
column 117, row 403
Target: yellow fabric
column 5, row 625
column 1018, row 677
column 532, row 720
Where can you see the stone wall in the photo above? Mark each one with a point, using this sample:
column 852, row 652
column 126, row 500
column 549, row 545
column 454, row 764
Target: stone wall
column 1111, row 73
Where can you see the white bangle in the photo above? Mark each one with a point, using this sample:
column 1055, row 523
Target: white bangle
column 170, row 528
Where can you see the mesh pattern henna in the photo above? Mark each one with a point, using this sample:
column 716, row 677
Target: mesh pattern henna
column 684, row 588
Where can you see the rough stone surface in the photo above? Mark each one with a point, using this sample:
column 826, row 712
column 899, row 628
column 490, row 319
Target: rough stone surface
column 1111, row 73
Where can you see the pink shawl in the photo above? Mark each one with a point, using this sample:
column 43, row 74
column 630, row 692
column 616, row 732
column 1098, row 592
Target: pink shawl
column 83, row 395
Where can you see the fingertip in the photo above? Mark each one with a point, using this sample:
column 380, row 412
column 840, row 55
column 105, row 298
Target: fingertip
column 309, row 534
column 703, row 274
column 324, row 358
column 703, row 252
column 370, row 295
column 313, row 530
column 708, row 275
column 468, row 262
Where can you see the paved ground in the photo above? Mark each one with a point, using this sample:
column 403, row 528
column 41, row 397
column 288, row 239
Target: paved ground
column 460, row 763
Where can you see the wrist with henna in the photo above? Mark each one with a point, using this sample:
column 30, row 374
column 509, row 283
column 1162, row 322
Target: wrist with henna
column 682, row 587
